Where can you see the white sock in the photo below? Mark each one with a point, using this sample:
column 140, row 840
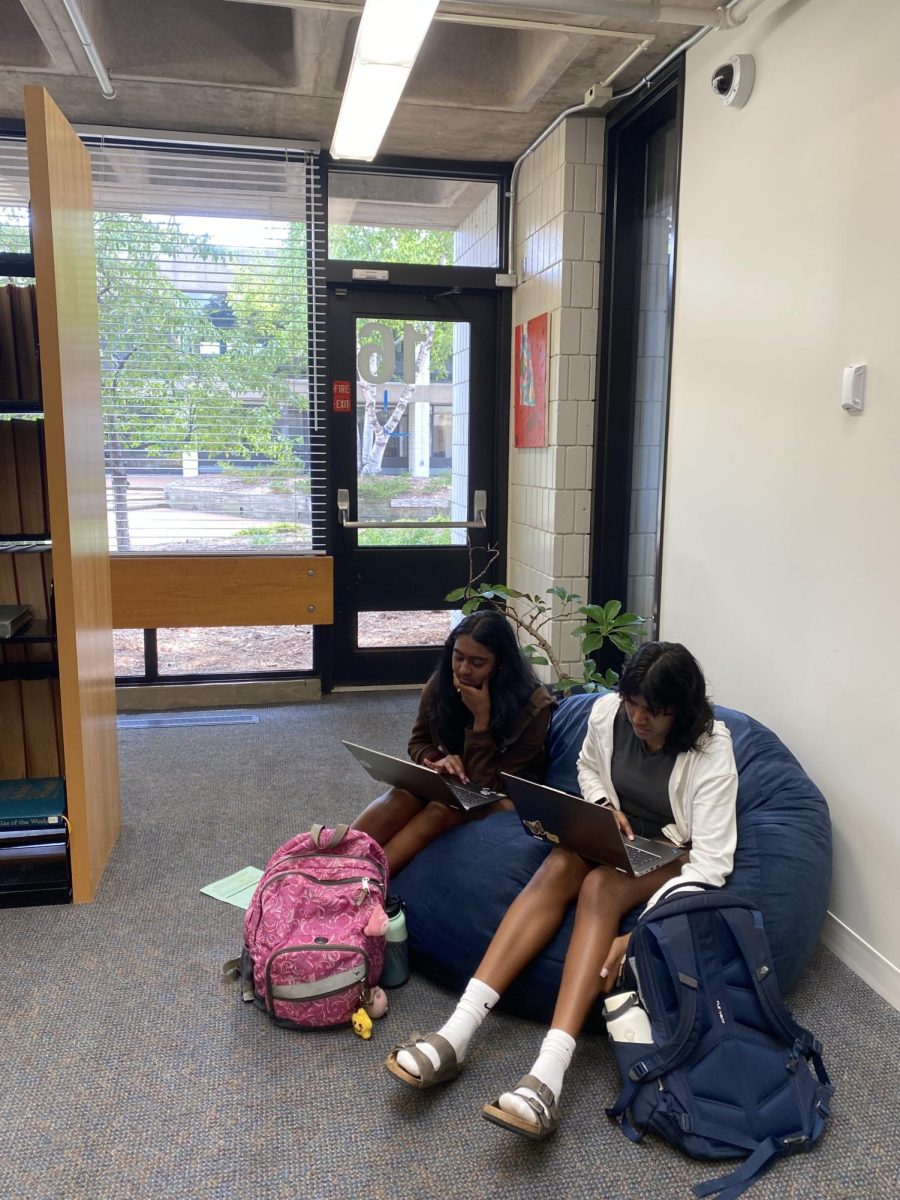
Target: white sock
column 474, row 1005
column 550, row 1067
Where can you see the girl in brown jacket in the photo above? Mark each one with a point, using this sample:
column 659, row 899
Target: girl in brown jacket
column 483, row 711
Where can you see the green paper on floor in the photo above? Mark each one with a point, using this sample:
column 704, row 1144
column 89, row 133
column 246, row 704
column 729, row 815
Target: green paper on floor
column 235, row 889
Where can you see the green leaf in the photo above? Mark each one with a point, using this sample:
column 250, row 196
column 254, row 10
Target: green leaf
column 595, row 611
column 628, row 619
column 456, row 594
column 611, row 608
column 622, row 642
column 470, row 606
column 566, row 683
column 593, row 641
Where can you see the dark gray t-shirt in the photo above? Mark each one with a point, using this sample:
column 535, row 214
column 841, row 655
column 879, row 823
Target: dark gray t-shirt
column 641, row 779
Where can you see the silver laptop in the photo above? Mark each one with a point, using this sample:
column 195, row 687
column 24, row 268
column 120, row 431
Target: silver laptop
column 422, row 781
column 588, row 829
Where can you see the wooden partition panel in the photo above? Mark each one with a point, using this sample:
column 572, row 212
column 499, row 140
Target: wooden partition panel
column 172, row 591
column 62, row 214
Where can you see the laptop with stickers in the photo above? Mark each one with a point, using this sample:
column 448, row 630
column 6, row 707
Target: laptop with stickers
column 589, row 829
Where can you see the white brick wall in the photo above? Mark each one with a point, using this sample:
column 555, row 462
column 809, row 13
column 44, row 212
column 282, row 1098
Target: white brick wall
column 557, row 256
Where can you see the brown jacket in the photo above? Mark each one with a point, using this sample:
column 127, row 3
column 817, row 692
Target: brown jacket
column 523, row 753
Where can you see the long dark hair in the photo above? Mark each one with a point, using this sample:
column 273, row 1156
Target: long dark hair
column 511, row 684
column 668, row 676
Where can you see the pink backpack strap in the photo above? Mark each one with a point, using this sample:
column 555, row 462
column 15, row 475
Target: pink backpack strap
column 337, row 836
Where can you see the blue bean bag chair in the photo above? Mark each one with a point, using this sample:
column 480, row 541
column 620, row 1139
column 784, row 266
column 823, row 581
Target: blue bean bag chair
column 457, row 890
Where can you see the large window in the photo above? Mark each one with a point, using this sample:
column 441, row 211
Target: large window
column 211, row 343
column 642, row 168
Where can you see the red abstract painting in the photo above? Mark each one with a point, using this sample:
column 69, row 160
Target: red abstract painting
column 532, row 381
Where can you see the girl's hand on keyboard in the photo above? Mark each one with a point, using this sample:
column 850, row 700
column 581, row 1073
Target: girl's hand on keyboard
column 624, row 824
column 450, row 764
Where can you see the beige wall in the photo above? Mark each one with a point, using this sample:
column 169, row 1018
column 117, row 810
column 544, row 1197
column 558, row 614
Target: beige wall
column 557, row 258
column 782, row 552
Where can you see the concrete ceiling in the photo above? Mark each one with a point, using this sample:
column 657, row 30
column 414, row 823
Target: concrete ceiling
column 480, row 89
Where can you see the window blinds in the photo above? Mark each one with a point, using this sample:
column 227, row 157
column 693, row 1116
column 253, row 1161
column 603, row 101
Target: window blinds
column 212, row 309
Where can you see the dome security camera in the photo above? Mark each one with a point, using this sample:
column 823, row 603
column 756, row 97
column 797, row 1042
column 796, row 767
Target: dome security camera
column 732, row 82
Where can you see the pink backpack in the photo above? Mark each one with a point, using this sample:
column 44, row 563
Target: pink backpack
column 314, row 930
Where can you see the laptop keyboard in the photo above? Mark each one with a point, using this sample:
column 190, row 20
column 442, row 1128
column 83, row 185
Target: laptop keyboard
column 641, row 861
column 470, row 795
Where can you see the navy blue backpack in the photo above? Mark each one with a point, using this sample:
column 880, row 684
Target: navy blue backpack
column 729, row 1074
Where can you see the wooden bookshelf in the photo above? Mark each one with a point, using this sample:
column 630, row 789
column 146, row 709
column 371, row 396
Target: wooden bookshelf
column 68, row 684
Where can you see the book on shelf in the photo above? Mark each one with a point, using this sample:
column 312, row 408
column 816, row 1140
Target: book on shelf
column 32, row 803
column 13, row 617
column 41, row 726
column 9, row 375
column 19, row 372
column 31, row 475
column 10, row 516
column 23, row 480
column 12, row 743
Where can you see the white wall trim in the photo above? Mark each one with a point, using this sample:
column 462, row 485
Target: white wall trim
column 862, row 959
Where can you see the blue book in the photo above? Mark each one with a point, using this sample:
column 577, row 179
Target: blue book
column 32, row 803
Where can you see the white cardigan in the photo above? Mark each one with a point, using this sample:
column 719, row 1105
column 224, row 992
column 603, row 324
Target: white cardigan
column 702, row 792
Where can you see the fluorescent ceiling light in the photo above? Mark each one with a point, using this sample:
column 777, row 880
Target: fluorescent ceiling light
column 390, row 35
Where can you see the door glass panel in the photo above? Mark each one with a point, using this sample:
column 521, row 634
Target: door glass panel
column 422, row 219
column 651, row 391
column 412, row 423
column 388, row 630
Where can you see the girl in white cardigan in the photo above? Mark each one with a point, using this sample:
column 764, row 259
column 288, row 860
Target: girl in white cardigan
column 654, row 753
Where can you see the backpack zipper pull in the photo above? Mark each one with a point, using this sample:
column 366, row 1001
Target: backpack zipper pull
column 364, row 888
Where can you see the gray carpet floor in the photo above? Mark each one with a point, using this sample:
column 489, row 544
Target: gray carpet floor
column 130, row 1068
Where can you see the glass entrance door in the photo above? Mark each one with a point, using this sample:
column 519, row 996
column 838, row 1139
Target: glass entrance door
column 414, row 484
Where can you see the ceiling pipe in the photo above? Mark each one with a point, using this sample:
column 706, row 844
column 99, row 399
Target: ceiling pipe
column 735, row 14
column 727, row 16
column 93, row 57
column 490, row 22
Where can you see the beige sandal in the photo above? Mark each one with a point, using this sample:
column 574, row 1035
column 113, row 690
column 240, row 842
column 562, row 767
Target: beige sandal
column 545, row 1108
column 429, row 1074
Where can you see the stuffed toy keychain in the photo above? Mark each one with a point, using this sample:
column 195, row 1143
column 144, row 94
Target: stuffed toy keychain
column 374, row 1006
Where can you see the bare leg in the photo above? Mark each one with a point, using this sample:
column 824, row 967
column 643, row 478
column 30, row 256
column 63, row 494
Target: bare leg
column 530, row 922
column 388, row 814
column 605, row 898
column 430, row 822
column 533, row 918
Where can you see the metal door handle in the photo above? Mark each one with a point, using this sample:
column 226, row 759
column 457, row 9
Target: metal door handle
column 479, row 504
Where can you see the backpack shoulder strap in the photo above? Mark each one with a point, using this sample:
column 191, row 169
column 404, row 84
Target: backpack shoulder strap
column 745, row 929
column 678, row 950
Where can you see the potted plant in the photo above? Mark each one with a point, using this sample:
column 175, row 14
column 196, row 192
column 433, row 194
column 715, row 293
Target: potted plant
column 533, row 616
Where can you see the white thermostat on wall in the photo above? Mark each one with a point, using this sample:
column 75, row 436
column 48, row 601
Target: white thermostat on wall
column 853, row 388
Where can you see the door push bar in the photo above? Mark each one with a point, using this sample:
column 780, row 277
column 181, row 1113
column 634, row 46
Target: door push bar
column 479, row 504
